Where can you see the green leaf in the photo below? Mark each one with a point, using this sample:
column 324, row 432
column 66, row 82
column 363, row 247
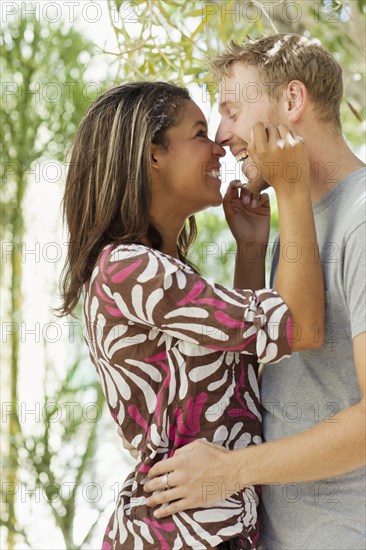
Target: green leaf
column 195, row 13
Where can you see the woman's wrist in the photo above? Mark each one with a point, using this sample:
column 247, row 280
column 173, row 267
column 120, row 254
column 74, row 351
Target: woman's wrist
column 251, row 250
column 295, row 194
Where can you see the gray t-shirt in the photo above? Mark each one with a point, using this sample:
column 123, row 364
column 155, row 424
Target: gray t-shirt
column 312, row 386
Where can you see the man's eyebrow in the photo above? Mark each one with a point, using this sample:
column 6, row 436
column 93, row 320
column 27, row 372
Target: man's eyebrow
column 225, row 105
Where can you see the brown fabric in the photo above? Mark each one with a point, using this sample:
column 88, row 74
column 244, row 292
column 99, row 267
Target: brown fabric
column 176, row 356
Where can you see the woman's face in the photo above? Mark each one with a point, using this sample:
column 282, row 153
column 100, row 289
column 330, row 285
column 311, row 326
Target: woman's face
column 188, row 178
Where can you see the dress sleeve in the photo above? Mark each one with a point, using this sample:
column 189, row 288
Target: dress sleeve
column 149, row 288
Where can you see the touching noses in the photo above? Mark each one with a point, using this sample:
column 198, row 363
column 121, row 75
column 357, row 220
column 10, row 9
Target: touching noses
column 222, row 135
column 218, row 149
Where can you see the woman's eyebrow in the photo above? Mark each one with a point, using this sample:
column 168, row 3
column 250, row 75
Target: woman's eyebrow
column 199, row 123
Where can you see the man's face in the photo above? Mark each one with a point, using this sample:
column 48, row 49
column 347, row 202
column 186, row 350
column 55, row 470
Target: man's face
column 244, row 100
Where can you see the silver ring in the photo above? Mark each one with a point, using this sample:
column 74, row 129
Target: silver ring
column 165, row 478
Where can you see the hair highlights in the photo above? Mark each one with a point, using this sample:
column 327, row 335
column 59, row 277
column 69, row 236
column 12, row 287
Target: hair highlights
column 107, row 194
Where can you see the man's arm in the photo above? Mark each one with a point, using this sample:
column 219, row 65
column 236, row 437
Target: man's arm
column 202, row 473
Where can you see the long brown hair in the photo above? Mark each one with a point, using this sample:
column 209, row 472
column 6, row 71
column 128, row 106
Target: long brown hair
column 107, row 194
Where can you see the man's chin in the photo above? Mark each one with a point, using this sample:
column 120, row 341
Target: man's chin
column 255, row 182
column 257, row 185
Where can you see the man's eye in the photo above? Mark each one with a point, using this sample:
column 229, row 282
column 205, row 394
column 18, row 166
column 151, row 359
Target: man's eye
column 202, row 133
column 233, row 117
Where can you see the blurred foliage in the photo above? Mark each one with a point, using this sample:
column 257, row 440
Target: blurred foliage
column 44, row 95
column 170, row 40
column 55, row 459
column 214, row 250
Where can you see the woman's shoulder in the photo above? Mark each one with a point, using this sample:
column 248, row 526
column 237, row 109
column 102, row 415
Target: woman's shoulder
column 128, row 254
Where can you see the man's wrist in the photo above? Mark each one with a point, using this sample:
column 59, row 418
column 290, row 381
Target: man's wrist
column 243, row 465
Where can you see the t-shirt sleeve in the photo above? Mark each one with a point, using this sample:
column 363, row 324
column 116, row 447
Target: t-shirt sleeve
column 354, row 272
column 148, row 288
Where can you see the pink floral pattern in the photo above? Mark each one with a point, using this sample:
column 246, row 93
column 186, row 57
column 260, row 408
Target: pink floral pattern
column 176, row 356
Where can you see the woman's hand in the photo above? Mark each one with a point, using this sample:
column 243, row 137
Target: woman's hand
column 281, row 156
column 198, row 474
column 247, row 215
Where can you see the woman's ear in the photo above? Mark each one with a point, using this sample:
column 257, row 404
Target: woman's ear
column 296, row 97
column 155, row 156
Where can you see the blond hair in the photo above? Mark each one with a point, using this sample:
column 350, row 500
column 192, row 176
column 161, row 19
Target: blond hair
column 282, row 58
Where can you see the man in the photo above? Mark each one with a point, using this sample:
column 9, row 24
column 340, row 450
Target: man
column 311, row 466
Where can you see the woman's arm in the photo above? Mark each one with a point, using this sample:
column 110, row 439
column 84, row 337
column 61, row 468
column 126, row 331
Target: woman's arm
column 147, row 288
column 282, row 157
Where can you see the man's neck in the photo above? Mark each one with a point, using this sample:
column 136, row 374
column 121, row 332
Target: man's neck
column 331, row 160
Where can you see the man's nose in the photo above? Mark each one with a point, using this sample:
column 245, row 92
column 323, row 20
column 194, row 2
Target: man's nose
column 222, row 135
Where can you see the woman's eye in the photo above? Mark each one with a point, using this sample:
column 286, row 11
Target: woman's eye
column 233, row 117
column 202, row 133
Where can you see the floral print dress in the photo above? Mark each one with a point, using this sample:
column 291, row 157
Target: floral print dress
column 177, row 360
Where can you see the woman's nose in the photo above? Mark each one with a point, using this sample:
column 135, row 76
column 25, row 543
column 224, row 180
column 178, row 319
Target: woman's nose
column 218, row 149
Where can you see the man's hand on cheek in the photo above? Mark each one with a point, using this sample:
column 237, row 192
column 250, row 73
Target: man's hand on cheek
column 198, row 474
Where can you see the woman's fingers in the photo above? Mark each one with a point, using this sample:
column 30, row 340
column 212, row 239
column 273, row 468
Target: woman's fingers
column 273, row 134
column 237, row 184
column 254, row 200
column 233, row 190
column 288, row 136
column 238, row 190
column 249, row 199
column 258, row 140
column 297, row 137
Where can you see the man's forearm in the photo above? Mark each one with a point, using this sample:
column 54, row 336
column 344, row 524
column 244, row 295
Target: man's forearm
column 325, row 450
column 202, row 473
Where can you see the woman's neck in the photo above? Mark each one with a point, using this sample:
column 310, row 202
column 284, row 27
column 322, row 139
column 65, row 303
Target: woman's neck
column 170, row 227
column 170, row 247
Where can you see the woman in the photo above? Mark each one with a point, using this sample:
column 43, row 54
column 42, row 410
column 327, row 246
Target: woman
column 176, row 355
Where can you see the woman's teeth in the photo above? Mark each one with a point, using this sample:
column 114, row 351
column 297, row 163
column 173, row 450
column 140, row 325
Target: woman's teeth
column 243, row 155
column 214, row 173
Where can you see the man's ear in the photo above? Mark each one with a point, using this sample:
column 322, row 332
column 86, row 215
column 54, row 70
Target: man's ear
column 296, row 98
